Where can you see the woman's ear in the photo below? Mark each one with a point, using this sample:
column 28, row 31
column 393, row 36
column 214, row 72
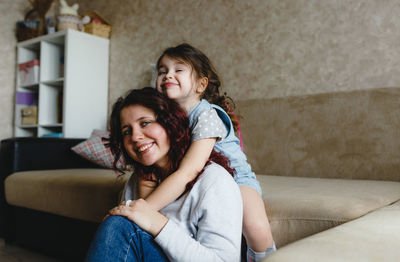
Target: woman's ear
column 203, row 83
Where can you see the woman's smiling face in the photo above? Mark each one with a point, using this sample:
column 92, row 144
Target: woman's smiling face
column 145, row 140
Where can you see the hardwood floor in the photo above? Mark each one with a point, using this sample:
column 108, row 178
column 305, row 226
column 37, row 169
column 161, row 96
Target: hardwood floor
column 11, row 253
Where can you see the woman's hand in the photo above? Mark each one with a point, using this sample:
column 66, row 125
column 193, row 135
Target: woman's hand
column 142, row 214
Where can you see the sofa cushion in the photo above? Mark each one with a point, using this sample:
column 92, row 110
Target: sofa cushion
column 352, row 135
column 373, row 237
column 95, row 149
column 299, row 207
column 85, row 194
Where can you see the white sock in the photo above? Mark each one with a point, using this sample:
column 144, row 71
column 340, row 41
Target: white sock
column 253, row 256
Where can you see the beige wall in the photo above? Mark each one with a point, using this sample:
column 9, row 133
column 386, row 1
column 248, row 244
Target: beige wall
column 10, row 12
column 261, row 48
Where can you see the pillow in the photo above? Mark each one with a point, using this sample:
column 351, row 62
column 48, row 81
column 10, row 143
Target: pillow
column 94, row 149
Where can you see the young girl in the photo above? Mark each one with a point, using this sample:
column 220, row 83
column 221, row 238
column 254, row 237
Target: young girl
column 186, row 75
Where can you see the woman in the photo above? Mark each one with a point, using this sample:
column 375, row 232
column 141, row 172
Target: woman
column 204, row 224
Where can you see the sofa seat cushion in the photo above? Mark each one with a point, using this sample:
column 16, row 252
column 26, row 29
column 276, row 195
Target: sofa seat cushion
column 85, row 194
column 373, row 237
column 299, row 207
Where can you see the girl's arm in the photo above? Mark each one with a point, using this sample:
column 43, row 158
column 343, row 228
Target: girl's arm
column 175, row 184
column 146, row 187
column 215, row 213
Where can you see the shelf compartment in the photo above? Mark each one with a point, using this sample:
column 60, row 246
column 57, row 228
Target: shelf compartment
column 51, row 59
column 31, row 74
column 28, row 130
column 51, row 105
column 50, row 131
column 28, row 52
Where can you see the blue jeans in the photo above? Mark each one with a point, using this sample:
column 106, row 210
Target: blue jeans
column 119, row 239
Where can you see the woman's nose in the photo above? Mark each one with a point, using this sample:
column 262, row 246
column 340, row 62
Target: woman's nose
column 137, row 135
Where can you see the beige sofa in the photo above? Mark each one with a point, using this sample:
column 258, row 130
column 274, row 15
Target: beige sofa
column 328, row 164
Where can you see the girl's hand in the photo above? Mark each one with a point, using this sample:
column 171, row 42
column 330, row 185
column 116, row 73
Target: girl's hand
column 142, row 214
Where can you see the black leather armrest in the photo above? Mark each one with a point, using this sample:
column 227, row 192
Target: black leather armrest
column 32, row 153
column 23, row 154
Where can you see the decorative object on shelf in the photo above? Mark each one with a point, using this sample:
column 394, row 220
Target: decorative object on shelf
column 69, row 22
column 51, row 25
column 62, row 66
column 29, row 115
column 27, row 30
column 41, row 7
column 28, row 72
column 65, row 9
column 60, row 99
column 30, row 29
column 68, row 17
column 24, row 100
column 95, row 24
column 59, row 135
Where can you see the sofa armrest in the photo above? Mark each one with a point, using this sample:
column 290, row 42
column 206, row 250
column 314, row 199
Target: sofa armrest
column 32, row 153
column 24, row 154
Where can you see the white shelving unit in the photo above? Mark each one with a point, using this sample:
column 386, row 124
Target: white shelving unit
column 71, row 99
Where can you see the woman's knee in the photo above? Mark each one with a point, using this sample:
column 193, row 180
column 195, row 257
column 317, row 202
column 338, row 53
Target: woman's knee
column 122, row 225
column 115, row 226
column 115, row 222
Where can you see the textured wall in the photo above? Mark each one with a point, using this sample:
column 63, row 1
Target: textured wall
column 261, row 48
column 10, row 11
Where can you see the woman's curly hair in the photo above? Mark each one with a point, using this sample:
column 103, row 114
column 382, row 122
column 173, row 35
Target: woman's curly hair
column 171, row 117
column 203, row 67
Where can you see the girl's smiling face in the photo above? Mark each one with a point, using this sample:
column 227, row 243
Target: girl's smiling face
column 145, row 140
column 177, row 80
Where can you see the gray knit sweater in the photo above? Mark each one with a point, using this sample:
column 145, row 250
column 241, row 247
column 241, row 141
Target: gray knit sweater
column 205, row 224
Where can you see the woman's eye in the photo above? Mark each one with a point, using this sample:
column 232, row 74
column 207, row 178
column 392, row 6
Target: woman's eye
column 145, row 123
column 126, row 132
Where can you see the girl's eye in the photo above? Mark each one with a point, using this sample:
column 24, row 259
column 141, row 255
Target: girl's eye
column 161, row 73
